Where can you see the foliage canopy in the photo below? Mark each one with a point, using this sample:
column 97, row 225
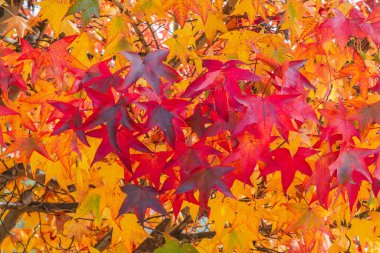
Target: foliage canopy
column 189, row 126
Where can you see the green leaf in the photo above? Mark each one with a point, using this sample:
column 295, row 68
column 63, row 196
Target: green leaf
column 87, row 7
column 90, row 204
column 174, row 246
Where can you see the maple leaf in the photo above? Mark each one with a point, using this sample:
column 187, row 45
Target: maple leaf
column 19, row 24
column 99, row 77
column 198, row 120
column 300, row 110
column 223, row 80
column 205, row 181
column 165, row 116
column 54, row 11
column 5, row 111
column 108, row 112
column 214, row 24
column 337, row 120
column 309, row 220
column 55, row 59
column 339, row 25
column 182, row 46
column 351, row 168
column 125, row 140
column 8, row 78
column 76, row 230
column 253, row 9
column 181, row 9
column 105, row 146
column 266, row 112
column 190, row 157
column 139, row 199
column 88, row 9
column 288, row 165
column 349, row 162
column 321, row 176
column 371, row 26
column 151, row 166
column 226, row 75
column 202, row 8
column 248, row 150
column 359, row 72
column 70, row 117
column 219, row 124
column 169, row 186
column 293, row 82
column 26, row 145
column 366, row 114
column 151, row 69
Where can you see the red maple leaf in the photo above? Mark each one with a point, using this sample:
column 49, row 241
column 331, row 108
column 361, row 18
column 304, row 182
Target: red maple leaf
column 205, row 180
column 339, row 26
column 365, row 26
column 288, row 165
column 351, row 168
column 356, row 24
column 170, row 184
column 151, row 165
column 248, row 150
column 151, row 69
column 337, row 122
column 165, row 115
column 222, row 79
column 322, row 178
column 300, row 110
column 125, row 139
column 70, row 117
column 8, row 78
column 99, row 77
column 266, row 112
column 139, row 199
column 221, row 74
column 198, row 120
column 191, row 157
column 108, row 112
column 351, row 161
column 55, row 59
column 5, row 111
column 293, row 82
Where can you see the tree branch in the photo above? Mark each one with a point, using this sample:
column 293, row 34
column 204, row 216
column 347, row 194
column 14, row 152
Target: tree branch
column 134, row 25
column 13, row 215
column 157, row 239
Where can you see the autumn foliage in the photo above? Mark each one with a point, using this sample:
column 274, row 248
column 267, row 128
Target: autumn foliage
column 189, row 126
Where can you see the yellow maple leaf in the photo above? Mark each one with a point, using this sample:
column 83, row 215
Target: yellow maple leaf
column 54, row 11
column 253, row 8
column 182, row 45
column 214, row 24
